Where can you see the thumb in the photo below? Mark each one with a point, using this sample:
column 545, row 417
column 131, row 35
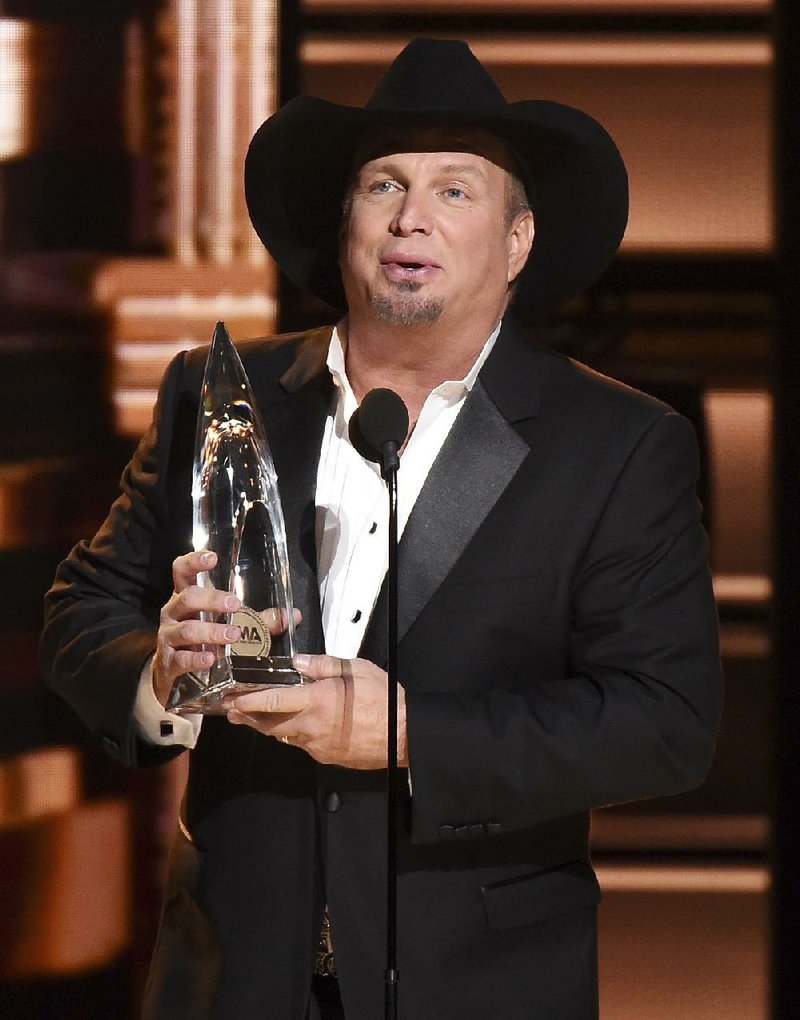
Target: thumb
column 317, row 667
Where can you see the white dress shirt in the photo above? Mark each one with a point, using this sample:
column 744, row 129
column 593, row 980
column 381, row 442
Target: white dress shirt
column 352, row 521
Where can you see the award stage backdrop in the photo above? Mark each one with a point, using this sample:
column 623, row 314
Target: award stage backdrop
column 123, row 238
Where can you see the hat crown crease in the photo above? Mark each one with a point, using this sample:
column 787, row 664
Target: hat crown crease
column 437, row 75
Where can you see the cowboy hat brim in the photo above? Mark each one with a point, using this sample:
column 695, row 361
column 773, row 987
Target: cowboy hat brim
column 300, row 163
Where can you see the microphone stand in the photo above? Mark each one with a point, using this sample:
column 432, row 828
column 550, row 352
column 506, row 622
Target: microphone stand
column 389, row 465
column 377, row 430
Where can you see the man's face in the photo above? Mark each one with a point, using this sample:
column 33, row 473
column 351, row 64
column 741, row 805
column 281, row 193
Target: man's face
column 426, row 232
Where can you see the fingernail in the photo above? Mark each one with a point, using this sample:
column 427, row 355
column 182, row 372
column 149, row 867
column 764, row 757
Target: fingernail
column 231, row 602
column 207, row 557
column 232, row 633
column 302, row 661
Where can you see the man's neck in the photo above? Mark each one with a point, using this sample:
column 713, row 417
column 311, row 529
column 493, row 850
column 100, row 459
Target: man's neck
column 411, row 360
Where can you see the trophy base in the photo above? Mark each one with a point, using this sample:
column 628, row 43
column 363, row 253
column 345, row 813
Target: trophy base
column 192, row 694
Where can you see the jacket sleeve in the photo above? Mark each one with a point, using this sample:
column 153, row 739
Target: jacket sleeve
column 101, row 615
column 635, row 711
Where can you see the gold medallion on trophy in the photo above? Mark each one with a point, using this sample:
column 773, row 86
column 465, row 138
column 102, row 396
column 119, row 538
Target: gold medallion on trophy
column 254, row 639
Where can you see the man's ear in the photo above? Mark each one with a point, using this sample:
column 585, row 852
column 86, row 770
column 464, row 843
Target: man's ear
column 520, row 242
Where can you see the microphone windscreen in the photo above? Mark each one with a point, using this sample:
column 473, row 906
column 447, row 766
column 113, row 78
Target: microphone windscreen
column 382, row 418
column 358, row 440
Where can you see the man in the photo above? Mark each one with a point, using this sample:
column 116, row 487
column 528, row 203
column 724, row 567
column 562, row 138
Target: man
column 558, row 632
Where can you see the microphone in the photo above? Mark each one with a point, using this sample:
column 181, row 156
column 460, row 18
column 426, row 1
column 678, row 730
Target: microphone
column 378, row 428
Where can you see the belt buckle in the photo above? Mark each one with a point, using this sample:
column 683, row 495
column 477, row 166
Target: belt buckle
column 324, row 963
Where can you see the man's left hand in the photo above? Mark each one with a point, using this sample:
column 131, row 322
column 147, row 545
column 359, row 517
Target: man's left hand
column 339, row 720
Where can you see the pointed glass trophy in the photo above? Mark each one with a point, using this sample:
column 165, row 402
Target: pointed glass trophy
column 237, row 515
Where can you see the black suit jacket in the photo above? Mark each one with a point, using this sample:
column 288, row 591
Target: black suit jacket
column 558, row 651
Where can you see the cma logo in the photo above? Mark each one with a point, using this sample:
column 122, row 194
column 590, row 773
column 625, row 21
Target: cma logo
column 251, row 635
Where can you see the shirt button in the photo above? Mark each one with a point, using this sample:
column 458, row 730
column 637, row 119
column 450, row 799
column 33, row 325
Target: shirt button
column 110, row 745
column 356, row 616
column 373, row 527
column 332, row 801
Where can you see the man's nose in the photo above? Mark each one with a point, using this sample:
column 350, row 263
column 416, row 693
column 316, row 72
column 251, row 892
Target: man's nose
column 414, row 214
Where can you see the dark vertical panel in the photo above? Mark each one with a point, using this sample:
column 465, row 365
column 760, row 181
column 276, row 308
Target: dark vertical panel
column 291, row 28
column 296, row 310
column 67, row 189
column 290, row 298
column 786, row 821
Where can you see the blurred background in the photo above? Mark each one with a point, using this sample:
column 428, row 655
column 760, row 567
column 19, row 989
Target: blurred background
column 123, row 237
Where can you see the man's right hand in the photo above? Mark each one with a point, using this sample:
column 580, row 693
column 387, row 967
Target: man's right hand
column 181, row 632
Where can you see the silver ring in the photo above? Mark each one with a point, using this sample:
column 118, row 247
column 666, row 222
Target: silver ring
column 284, row 740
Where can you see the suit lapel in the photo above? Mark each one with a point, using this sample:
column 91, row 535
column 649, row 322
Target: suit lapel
column 295, row 425
column 479, row 458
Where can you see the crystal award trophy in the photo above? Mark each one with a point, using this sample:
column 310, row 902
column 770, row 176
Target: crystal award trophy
column 237, row 515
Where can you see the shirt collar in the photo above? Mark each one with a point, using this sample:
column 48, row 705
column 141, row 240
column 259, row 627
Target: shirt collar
column 452, row 389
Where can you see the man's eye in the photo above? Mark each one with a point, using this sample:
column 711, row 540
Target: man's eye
column 454, row 192
column 383, row 187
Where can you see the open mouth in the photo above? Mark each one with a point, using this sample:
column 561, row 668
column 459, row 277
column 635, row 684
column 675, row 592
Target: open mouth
column 405, row 269
column 408, row 265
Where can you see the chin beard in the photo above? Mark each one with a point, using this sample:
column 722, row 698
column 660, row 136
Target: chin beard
column 406, row 308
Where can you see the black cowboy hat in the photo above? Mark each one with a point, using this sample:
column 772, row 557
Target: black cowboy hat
column 300, row 162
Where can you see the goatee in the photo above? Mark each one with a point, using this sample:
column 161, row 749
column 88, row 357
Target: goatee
column 405, row 308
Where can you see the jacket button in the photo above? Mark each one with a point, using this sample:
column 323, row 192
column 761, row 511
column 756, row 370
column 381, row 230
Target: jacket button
column 332, row 801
